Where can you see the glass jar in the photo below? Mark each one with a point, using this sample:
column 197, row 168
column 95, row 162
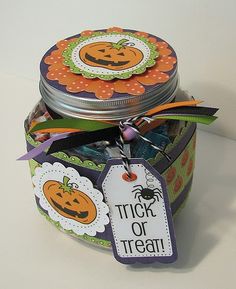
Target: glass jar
column 66, row 94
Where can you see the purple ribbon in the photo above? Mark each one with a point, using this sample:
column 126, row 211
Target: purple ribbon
column 39, row 149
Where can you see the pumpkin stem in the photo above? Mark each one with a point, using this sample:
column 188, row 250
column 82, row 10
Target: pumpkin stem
column 118, row 45
column 66, row 187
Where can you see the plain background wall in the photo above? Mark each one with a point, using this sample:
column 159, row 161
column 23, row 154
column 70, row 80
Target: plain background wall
column 202, row 33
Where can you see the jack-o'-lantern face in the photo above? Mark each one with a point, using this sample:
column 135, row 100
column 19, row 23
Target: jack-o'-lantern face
column 69, row 202
column 113, row 56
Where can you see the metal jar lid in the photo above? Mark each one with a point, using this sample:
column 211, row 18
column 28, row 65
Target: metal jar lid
column 85, row 103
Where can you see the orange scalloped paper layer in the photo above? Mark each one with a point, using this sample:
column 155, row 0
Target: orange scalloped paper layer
column 104, row 89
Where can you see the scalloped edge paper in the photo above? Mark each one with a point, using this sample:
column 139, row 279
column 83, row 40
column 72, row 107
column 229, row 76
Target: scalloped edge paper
column 56, row 172
column 77, row 66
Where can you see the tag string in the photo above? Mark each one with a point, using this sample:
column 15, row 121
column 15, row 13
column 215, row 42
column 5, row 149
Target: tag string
column 120, row 144
column 130, row 123
column 125, row 159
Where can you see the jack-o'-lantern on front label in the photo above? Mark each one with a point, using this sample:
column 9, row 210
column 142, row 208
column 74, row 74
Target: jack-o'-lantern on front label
column 69, row 202
column 69, row 199
column 110, row 55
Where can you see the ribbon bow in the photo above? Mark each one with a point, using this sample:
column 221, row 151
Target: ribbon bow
column 70, row 133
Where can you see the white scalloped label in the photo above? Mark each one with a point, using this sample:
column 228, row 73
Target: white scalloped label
column 70, row 199
column 110, row 55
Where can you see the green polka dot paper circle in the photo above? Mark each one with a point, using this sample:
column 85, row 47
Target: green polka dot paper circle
column 109, row 55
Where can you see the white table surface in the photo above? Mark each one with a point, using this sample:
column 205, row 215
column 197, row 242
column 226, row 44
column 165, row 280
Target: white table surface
column 35, row 255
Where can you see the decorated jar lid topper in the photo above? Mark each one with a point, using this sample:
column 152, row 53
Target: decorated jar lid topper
column 109, row 55
column 112, row 63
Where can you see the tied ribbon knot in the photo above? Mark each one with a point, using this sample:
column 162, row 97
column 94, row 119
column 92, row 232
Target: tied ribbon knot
column 128, row 132
column 71, row 133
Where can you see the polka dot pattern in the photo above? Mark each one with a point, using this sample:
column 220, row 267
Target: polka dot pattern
column 64, row 43
column 153, row 76
column 165, row 63
column 102, row 89
column 135, row 85
column 143, row 34
column 190, row 167
column 87, row 33
column 131, row 86
column 178, row 183
column 114, row 29
column 152, row 39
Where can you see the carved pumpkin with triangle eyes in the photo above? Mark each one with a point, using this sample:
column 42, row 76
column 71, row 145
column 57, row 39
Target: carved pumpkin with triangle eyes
column 69, row 202
column 113, row 56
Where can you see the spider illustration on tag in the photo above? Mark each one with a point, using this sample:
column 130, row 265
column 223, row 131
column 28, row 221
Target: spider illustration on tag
column 147, row 194
column 150, row 192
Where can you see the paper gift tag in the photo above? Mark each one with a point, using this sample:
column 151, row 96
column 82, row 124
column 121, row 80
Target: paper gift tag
column 140, row 215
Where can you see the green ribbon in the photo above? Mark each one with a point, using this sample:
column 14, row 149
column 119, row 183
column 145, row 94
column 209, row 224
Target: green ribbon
column 93, row 125
column 205, row 119
column 81, row 124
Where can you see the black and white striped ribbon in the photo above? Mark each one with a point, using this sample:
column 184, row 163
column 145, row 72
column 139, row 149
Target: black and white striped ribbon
column 120, row 142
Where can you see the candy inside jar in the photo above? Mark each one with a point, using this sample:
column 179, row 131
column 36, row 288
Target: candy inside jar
column 99, row 152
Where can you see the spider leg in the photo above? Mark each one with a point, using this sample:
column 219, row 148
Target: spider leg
column 136, row 190
column 136, row 194
column 158, row 192
column 157, row 197
column 136, row 186
column 139, row 198
column 154, row 200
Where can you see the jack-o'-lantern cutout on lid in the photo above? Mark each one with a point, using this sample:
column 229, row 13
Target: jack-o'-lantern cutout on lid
column 115, row 56
column 69, row 202
column 109, row 55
